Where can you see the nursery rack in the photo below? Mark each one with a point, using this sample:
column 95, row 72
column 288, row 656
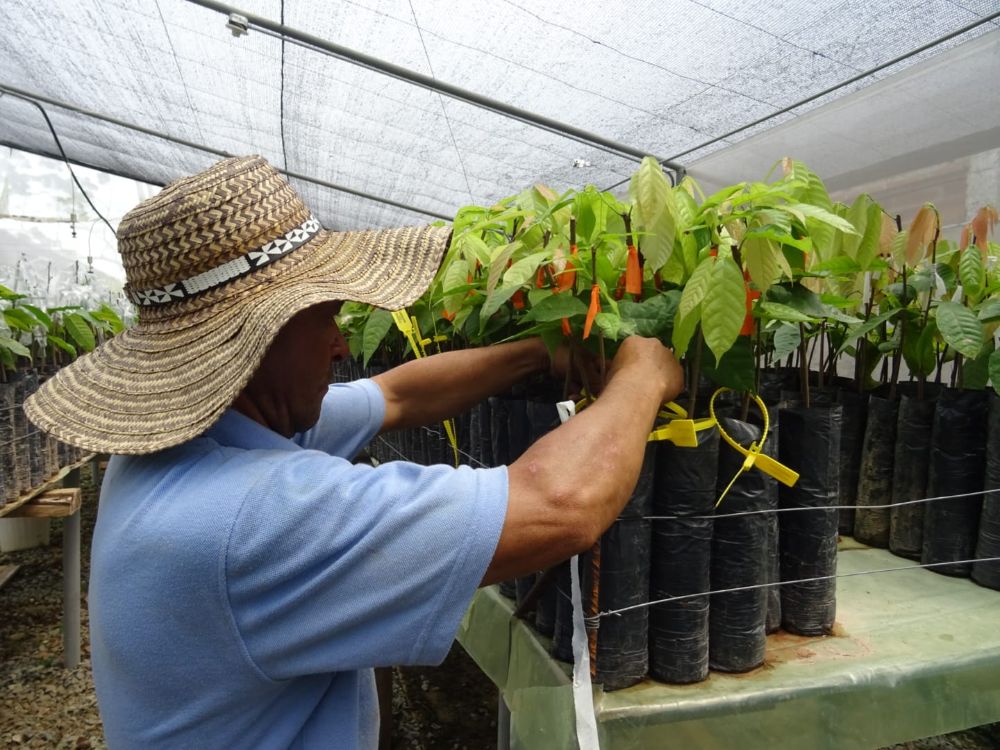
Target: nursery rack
column 912, row 655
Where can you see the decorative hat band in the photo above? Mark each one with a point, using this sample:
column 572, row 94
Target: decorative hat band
column 232, row 269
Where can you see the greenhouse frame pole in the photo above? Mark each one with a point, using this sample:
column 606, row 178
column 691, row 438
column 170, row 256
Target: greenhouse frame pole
column 38, row 98
column 240, row 21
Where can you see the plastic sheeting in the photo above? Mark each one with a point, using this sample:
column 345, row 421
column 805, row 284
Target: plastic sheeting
column 914, row 654
column 663, row 77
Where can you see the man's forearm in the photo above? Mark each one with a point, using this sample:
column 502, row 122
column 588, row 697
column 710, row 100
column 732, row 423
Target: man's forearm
column 428, row 390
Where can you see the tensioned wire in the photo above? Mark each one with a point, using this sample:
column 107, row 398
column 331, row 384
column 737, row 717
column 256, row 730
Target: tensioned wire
column 594, row 620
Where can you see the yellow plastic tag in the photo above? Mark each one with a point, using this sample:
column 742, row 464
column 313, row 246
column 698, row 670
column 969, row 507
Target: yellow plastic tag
column 409, row 327
column 753, row 458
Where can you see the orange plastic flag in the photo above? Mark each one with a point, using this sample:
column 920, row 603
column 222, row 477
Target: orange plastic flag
column 633, row 273
column 595, row 307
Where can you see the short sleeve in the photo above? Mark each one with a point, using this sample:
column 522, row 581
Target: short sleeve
column 333, row 566
column 352, row 414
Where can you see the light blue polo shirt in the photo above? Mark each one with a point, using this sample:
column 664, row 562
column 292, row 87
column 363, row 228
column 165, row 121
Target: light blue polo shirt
column 243, row 585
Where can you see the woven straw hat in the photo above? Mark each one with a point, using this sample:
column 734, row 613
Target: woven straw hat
column 217, row 263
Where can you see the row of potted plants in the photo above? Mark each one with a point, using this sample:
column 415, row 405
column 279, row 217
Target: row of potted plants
column 851, row 327
column 34, row 343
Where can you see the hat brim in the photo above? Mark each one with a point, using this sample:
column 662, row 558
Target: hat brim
column 171, row 376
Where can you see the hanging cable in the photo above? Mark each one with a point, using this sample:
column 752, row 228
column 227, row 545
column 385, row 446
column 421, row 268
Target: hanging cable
column 55, row 137
column 824, row 92
column 37, row 98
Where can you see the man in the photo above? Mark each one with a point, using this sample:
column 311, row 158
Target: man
column 245, row 576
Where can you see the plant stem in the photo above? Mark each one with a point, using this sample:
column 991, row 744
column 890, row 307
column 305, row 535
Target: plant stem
column 822, row 339
column 803, row 366
column 694, row 374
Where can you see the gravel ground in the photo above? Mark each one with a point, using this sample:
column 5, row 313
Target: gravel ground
column 44, row 706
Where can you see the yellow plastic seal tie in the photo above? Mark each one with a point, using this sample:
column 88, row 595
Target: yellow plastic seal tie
column 753, row 456
column 679, row 430
column 404, row 324
column 409, row 327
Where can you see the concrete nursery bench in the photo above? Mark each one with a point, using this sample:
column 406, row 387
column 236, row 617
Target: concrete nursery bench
column 63, row 503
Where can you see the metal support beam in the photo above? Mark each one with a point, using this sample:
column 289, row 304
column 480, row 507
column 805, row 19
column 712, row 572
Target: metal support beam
column 38, row 98
column 249, row 20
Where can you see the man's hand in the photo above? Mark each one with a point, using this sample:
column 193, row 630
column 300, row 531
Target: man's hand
column 651, row 361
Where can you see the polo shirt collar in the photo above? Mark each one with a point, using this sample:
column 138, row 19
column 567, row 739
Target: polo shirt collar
column 236, row 430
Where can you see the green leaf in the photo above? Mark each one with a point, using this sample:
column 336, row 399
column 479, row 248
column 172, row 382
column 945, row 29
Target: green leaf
column 376, row 328
column 106, row 314
column 524, row 269
column 494, row 300
column 802, row 211
column 736, row 368
column 786, row 340
column 868, row 248
column 976, row 372
column 990, row 311
column 797, row 296
column 455, row 285
column 918, row 347
column 696, row 288
column 648, row 188
column 499, row 264
column 9, row 294
column 80, row 331
column 41, row 315
column 15, row 347
column 723, row 311
column 62, row 344
column 613, row 327
column 777, row 311
column 960, row 328
column 761, row 257
column 652, row 317
column 555, row 307
column 971, row 272
column 839, row 265
column 20, row 319
column 866, row 328
column 770, row 232
column 683, row 330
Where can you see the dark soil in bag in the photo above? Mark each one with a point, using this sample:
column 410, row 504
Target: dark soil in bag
column 562, row 635
column 852, row 431
column 543, row 417
column 685, row 488
column 500, row 443
column 909, row 475
column 499, row 435
column 957, row 466
column 988, row 573
column 622, row 645
column 519, row 438
column 810, row 444
column 871, row 525
column 737, row 620
column 484, row 450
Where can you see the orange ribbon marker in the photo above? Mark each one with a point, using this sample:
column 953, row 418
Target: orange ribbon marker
column 633, row 272
column 595, row 307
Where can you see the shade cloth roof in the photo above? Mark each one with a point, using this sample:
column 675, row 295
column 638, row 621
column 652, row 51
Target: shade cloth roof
column 664, row 77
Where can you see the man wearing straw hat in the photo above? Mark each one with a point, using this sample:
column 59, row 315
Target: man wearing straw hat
column 246, row 576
